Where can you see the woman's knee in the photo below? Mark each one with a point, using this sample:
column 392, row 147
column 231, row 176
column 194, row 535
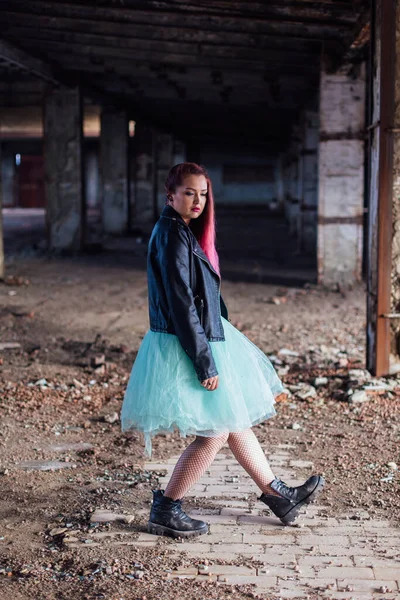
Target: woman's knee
column 224, row 437
column 217, row 440
column 239, row 435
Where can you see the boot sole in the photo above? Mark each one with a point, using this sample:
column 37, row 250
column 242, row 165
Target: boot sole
column 162, row 530
column 293, row 513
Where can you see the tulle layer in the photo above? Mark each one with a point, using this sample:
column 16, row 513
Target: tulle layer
column 164, row 394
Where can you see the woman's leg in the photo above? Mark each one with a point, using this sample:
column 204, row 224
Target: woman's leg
column 284, row 501
column 248, row 452
column 194, row 461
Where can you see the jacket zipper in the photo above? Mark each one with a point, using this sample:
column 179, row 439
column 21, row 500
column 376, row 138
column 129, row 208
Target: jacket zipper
column 219, row 282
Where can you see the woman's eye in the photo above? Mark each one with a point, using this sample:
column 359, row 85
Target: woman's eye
column 189, row 194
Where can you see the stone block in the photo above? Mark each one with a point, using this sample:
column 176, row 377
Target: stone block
column 367, row 585
column 387, row 573
column 344, row 572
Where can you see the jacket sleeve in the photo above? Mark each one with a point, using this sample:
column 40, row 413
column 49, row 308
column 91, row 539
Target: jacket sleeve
column 174, row 257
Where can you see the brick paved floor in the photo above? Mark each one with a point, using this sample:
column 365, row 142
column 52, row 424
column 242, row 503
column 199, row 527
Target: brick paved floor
column 349, row 557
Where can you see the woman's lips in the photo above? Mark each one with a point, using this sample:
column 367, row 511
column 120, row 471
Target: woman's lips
column 196, row 209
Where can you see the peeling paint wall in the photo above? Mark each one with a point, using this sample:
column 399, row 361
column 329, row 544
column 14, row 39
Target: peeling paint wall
column 114, row 170
column 63, row 168
column 341, row 176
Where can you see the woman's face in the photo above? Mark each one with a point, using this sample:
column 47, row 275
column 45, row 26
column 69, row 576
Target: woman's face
column 190, row 198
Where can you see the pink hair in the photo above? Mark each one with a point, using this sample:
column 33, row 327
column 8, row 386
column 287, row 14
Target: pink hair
column 204, row 227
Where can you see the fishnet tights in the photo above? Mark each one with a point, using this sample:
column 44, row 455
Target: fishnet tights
column 199, row 455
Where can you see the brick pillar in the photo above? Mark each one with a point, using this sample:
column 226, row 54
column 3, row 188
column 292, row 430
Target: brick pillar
column 63, row 168
column 341, row 175
column 114, row 170
column 144, row 145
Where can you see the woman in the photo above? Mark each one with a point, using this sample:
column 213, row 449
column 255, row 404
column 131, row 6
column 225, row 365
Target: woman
column 194, row 370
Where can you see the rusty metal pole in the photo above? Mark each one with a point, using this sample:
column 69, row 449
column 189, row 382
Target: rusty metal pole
column 380, row 239
column 1, row 226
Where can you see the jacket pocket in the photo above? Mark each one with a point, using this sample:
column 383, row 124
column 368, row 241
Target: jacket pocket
column 199, row 304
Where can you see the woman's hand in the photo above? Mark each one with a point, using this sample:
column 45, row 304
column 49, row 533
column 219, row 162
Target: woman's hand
column 210, row 384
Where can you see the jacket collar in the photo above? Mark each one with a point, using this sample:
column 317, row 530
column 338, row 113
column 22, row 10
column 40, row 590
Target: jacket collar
column 171, row 213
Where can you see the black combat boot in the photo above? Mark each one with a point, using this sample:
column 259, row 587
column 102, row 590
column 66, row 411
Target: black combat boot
column 287, row 505
column 168, row 518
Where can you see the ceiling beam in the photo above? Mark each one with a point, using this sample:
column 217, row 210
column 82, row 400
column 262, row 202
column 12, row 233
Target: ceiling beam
column 291, row 10
column 16, row 57
column 207, row 56
column 56, row 75
column 125, row 32
column 303, row 51
column 128, row 64
column 166, row 19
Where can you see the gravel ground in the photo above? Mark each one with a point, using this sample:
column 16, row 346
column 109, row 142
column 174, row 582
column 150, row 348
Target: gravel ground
column 78, row 323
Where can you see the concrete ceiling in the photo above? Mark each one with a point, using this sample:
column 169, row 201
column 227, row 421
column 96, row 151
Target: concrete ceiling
column 202, row 68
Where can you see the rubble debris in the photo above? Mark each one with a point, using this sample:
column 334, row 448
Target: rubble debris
column 98, row 360
column 320, row 381
column 16, row 280
column 44, row 465
column 359, row 397
column 105, row 516
column 9, row 345
column 111, row 418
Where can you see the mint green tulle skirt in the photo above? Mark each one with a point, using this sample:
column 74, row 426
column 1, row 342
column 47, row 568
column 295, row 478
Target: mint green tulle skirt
column 164, row 394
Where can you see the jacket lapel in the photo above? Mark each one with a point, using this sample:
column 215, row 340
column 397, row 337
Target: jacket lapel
column 171, row 213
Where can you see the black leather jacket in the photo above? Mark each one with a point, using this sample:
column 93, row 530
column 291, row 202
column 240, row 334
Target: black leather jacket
column 184, row 291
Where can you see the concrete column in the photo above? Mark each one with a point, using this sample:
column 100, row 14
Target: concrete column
column 279, row 182
column 1, row 224
column 341, row 175
column 144, row 145
column 63, row 168
column 8, row 175
column 114, row 170
column 291, row 183
column 165, row 160
column 178, row 152
column 309, row 190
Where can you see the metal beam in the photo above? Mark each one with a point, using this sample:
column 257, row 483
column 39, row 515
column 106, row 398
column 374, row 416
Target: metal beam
column 381, row 174
column 2, row 270
column 12, row 55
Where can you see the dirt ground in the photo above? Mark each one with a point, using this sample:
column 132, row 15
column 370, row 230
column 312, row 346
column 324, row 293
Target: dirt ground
column 79, row 323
